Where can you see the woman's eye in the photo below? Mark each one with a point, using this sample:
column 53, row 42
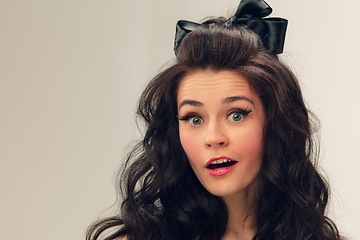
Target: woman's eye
column 192, row 119
column 195, row 121
column 235, row 117
column 239, row 114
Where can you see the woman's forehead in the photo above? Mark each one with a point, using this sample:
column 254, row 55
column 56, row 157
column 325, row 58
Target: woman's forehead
column 222, row 82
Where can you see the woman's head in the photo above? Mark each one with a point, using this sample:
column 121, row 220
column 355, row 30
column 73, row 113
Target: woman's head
column 215, row 47
column 284, row 174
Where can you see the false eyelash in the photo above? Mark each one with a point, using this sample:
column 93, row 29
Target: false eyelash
column 187, row 117
column 244, row 112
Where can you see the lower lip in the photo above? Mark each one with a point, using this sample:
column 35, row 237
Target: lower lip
column 220, row 171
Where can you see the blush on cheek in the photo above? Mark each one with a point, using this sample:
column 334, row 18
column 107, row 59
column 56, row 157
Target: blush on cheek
column 256, row 147
column 187, row 145
column 251, row 145
column 191, row 150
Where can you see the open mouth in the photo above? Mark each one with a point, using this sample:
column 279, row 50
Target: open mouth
column 221, row 163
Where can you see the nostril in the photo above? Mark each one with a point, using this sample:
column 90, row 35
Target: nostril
column 220, row 144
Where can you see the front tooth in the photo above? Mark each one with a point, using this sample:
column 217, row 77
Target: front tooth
column 215, row 162
column 220, row 161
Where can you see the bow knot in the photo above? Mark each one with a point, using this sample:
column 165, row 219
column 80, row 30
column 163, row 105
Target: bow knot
column 250, row 13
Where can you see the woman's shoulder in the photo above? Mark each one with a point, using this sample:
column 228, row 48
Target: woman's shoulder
column 121, row 238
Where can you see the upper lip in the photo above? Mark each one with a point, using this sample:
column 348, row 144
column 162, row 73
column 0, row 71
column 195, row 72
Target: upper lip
column 217, row 158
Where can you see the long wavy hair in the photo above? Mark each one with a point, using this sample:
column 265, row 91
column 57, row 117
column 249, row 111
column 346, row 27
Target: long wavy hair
column 162, row 197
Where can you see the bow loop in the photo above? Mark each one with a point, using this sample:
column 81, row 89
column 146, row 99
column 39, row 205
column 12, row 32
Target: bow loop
column 250, row 9
column 183, row 27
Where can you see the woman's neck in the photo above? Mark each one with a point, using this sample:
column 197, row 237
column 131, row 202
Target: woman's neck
column 242, row 215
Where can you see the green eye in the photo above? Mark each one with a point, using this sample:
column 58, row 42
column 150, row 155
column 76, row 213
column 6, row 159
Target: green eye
column 195, row 121
column 192, row 119
column 236, row 117
column 238, row 114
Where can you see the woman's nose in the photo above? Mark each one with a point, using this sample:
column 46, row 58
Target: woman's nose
column 215, row 136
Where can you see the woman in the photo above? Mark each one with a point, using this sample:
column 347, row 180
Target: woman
column 228, row 152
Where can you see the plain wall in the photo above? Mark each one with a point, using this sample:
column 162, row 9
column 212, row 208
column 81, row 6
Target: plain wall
column 71, row 72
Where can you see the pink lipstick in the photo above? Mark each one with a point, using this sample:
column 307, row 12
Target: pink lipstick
column 220, row 166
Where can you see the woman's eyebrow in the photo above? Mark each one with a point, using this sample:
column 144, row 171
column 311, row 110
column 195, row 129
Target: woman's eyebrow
column 224, row 101
column 190, row 102
column 236, row 98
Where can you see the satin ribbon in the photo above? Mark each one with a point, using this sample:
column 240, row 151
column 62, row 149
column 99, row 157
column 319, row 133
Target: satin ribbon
column 250, row 13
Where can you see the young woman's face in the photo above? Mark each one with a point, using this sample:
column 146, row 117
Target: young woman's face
column 221, row 123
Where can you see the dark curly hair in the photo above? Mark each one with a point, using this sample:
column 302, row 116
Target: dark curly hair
column 162, row 197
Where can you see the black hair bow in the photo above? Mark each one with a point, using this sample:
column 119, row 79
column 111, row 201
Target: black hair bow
column 250, row 13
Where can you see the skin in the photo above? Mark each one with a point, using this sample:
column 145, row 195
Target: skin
column 214, row 130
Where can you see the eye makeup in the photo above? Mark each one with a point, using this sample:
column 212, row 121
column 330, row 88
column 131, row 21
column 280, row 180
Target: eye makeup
column 195, row 119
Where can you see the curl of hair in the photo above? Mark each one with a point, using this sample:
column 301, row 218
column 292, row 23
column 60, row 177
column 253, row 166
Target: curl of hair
column 163, row 199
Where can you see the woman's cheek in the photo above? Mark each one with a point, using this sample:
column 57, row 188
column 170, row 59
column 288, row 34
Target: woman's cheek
column 250, row 143
column 188, row 142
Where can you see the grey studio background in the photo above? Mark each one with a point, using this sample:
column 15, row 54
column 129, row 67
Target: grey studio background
column 71, row 72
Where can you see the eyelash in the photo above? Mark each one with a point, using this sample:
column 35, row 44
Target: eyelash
column 244, row 112
column 188, row 117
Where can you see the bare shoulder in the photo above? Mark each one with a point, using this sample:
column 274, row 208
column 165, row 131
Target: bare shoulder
column 121, row 238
